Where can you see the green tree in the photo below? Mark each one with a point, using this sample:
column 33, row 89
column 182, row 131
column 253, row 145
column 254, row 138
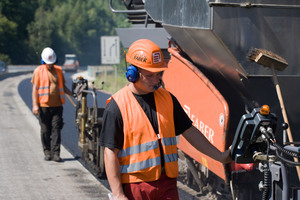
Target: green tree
column 8, row 30
column 68, row 26
column 74, row 26
column 15, row 15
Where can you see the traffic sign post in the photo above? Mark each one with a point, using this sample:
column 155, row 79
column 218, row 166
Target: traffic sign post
column 110, row 50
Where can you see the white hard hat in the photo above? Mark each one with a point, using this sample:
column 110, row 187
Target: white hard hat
column 48, row 56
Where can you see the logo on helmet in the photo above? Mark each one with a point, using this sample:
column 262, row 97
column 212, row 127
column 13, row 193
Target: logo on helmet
column 140, row 58
column 156, row 57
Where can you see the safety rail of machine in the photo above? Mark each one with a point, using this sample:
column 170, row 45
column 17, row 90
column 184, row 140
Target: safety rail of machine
column 255, row 142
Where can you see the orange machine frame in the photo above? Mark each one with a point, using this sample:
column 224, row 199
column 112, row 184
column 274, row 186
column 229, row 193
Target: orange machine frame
column 203, row 103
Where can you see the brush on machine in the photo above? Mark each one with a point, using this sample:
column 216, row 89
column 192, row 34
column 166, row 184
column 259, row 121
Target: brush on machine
column 273, row 61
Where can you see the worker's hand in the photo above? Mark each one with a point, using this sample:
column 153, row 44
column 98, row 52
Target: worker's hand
column 35, row 109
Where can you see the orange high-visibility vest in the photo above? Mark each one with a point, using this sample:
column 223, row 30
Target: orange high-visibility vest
column 44, row 86
column 140, row 157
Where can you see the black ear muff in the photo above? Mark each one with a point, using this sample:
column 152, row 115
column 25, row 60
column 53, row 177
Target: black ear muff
column 132, row 74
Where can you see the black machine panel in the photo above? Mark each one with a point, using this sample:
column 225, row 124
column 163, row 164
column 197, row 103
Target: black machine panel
column 248, row 138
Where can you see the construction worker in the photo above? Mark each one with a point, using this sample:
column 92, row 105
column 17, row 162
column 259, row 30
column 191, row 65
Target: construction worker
column 48, row 95
column 140, row 125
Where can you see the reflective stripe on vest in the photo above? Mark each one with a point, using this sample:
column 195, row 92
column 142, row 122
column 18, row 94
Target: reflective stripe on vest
column 44, row 89
column 42, row 92
column 140, row 157
column 146, row 147
column 170, row 142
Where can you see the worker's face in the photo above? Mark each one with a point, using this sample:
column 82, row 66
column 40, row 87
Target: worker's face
column 148, row 80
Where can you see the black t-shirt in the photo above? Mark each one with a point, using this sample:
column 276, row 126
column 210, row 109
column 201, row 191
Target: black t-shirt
column 112, row 135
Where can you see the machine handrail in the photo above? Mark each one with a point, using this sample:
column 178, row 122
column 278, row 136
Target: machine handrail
column 125, row 11
column 95, row 105
column 248, row 5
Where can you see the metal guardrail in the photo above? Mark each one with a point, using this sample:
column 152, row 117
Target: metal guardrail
column 20, row 68
column 16, row 70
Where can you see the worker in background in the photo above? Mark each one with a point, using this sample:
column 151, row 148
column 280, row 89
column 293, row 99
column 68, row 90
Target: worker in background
column 48, row 95
column 140, row 125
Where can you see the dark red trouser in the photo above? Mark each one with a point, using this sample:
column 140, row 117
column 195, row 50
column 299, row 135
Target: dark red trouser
column 163, row 188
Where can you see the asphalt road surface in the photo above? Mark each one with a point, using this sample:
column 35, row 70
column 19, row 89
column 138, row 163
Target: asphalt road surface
column 24, row 172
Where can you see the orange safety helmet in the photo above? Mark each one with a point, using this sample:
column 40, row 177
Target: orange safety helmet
column 147, row 55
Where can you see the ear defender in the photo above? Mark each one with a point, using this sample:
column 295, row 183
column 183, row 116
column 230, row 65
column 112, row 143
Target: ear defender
column 42, row 62
column 132, row 74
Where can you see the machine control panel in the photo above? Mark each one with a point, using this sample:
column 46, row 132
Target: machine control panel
column 248, row 138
